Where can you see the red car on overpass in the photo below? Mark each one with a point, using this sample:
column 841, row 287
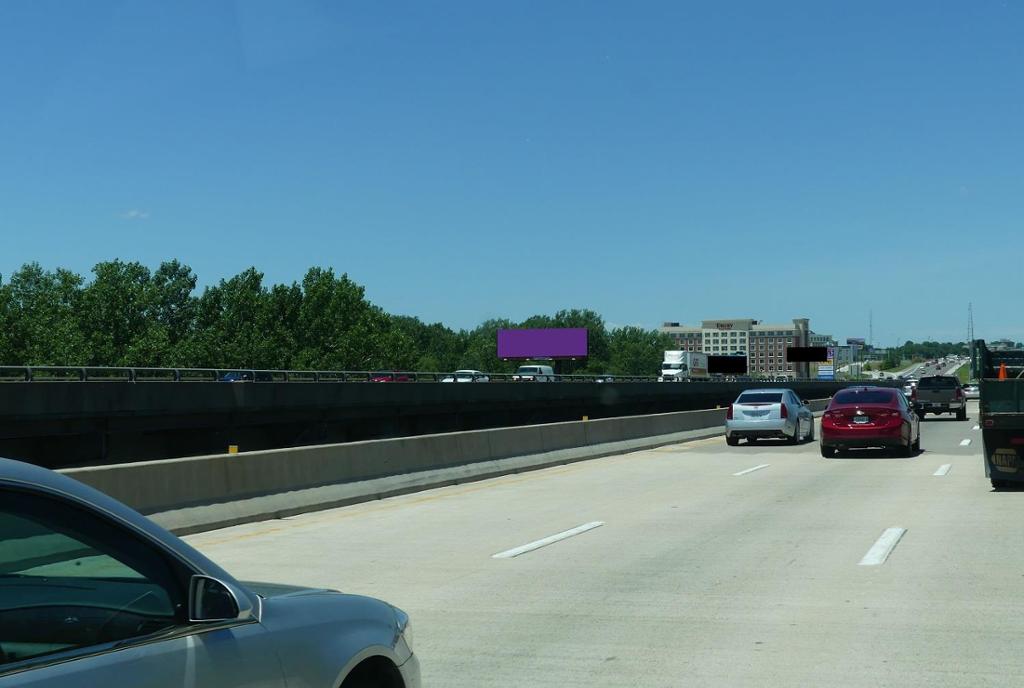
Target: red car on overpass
column 390, row 376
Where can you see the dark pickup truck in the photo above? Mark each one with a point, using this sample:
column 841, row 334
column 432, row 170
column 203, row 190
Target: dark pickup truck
column 1001, row 404
column 939, row 394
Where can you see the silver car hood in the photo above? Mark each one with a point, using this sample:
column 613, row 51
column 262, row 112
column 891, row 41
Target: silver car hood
column 269, row 590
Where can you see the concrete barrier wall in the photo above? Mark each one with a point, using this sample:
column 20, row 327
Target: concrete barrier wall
column 65, row 424
column 178, row 485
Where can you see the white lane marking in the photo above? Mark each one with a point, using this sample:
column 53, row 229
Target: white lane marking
column 976, row 427
column 755, row 468
column 544, row 542
column 883, row 547
column 964, row 443
column 943, row 469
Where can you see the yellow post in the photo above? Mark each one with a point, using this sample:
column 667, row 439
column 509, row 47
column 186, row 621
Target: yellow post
column 232, row 449
column 586, row 417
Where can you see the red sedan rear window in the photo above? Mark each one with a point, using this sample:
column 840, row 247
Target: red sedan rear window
column 868, row 396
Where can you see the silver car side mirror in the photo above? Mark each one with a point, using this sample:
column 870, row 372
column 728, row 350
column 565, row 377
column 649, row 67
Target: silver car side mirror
column 211, row 600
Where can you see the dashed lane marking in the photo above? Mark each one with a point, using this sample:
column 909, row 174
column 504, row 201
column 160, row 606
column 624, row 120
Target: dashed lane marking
column 544, row 542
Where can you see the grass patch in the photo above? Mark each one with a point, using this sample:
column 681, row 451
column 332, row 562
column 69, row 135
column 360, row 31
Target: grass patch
column 964, row 372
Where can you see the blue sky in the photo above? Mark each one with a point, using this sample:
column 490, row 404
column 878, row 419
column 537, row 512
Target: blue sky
column 465, row 160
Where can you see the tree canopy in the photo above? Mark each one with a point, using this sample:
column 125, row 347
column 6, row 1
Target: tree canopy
column 129, row 315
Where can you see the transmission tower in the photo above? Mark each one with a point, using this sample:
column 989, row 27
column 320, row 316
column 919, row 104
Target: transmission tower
column 871, row 328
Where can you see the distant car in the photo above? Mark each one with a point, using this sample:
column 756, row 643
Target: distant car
column 607, row 377
column 971, row 391
column 94, row 594
column 534, row 373
column 768, row 413
column 859, row 417
column 235, row 376
column 466, row 376
column 388, row 376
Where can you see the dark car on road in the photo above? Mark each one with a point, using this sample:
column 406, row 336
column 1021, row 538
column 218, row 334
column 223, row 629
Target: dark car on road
column 861, row 417
column 940, row 394
column 236, row 376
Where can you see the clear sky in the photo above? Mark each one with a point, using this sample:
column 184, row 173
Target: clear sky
column 464, row 160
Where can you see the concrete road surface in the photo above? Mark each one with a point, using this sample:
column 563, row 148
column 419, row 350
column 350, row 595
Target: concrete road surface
column 704, row 572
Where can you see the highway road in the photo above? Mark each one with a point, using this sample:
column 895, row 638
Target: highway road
column 919, row 369
column 699, row 565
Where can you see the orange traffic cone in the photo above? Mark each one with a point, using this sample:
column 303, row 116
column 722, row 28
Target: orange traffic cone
column 1002, row 371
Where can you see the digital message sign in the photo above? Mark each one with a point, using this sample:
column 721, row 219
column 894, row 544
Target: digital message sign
column 553, row 342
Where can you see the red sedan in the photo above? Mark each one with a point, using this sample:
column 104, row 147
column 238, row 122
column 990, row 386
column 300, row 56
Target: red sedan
column 388, row 376
column 870, row 417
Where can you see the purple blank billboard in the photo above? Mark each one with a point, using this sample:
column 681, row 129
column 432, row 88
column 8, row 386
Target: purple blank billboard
column 562, row 342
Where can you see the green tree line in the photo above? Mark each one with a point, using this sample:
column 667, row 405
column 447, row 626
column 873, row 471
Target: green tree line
column 920, row 351
column 129, row 315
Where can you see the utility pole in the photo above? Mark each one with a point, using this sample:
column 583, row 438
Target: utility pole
column 970, row 338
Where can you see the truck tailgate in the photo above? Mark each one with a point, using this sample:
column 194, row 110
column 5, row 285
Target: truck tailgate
column 936, row 396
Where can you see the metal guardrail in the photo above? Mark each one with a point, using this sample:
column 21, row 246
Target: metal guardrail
column 44, row 374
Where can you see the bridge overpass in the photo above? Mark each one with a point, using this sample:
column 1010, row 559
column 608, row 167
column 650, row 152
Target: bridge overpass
column 73, row 423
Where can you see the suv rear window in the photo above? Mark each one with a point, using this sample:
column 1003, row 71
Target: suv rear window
column 869, row 396
column 760, row 398
column 938, row 383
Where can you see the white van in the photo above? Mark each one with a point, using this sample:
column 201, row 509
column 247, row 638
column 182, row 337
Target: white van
column 534, row 373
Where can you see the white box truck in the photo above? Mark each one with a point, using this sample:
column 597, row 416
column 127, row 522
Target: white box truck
column 684, row 365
